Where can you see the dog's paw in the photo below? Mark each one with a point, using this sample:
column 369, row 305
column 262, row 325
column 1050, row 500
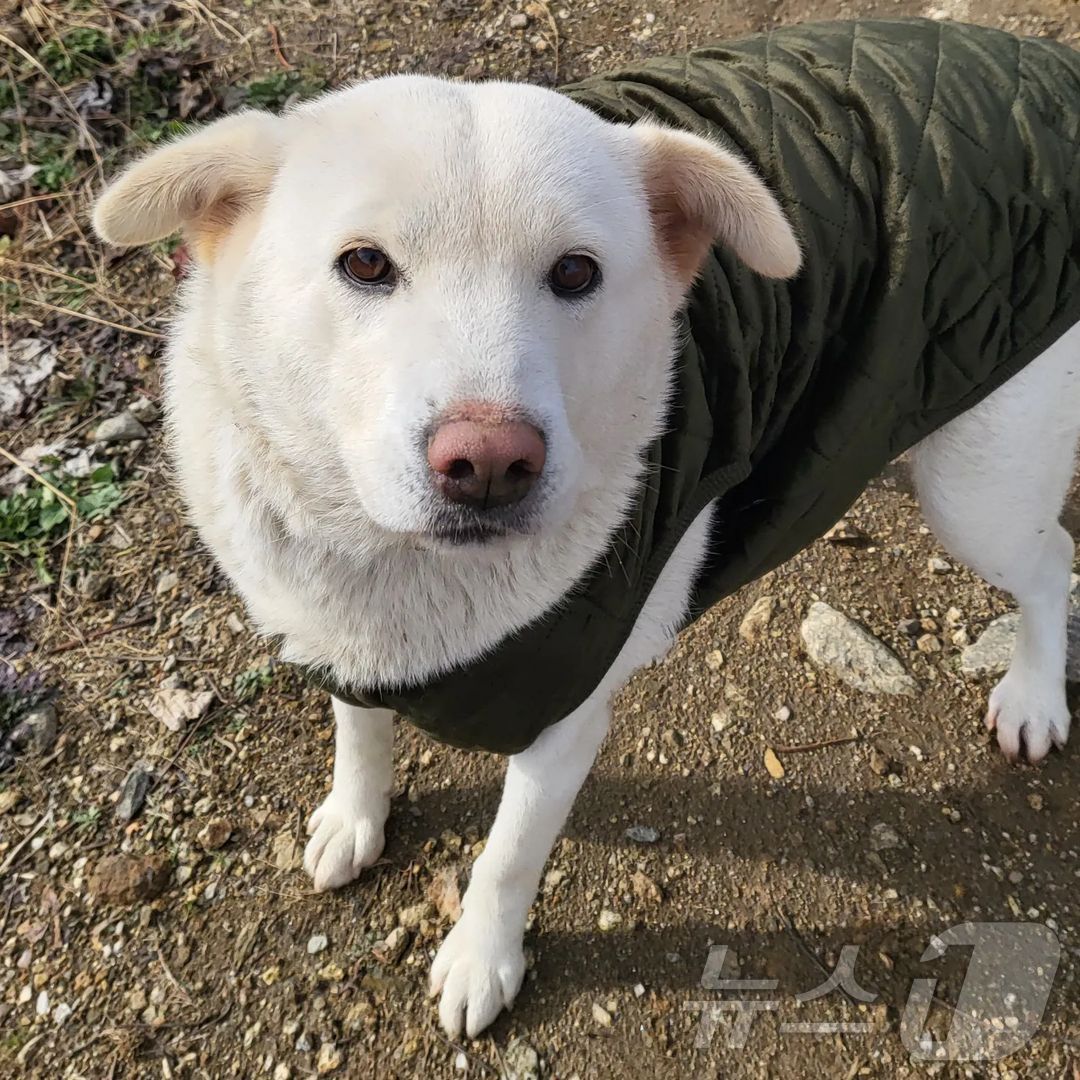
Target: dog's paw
column 1029, row 719
column 478, row 971
column 345, row 838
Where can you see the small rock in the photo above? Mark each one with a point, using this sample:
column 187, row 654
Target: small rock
column 133, row 794
column 782, row 714
column 911, row 627
column 316, row 944
column 214, row 834
column 883, row 837
column 520, row 1062
column 392, row 948
column 714, row 660
column 938, row 566
column 329, row 1059
column 601, row 1015
column 167, row 582
column 842, row 646
column 845, row 532
column 94, row 584
column 928, row 643
column 608, row 920
column 144, row 410
column 518, row 21
column 645, row 889
column 234, row 624
column 461, row 1062
column 175, row 707
column 757, row 619
column 282, row 1072
column 127, row 879
column 41, row 1007
column 642, row 834
column 992, row 651
column 961, row 638
column 411, row 917
column 9, row 799
column 773, row 765
column 880, row 763
column 1035, row 801
column 120, row 428
column 639, row 990
column 36, row 731
column 61, row 1014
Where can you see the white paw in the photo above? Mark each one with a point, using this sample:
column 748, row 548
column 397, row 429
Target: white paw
column 345, row 838
column 1029, row 717
column 478, row 971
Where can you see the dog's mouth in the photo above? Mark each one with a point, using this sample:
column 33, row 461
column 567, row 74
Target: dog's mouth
column 464, row 535
column 464, row 529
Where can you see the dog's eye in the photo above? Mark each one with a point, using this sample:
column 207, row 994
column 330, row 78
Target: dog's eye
column 574, row 275
column 368, row 266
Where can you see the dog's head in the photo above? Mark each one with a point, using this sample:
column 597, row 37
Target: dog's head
column 454, row 303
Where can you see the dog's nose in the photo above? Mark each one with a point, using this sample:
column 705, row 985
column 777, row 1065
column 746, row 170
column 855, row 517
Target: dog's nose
column 485, row 458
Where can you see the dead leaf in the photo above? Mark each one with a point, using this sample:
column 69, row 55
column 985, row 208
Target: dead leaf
column 174, row 708
column 285, row 850
column 772, row 763
column 445, row 892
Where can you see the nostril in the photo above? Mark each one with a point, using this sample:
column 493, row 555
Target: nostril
column 520, row 470
column 460, row 469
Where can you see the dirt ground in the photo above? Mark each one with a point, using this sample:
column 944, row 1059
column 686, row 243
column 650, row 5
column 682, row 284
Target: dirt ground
column 219, row 961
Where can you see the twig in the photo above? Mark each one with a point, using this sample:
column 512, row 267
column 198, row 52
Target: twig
column 171, row 977
column 92, row 318
column 78, row 643
column 802, row 748
column 6, row 865
column 275, row 41
column 35, row 199
column 34, row 475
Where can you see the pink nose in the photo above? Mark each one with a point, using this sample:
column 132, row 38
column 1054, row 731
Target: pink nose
column 483, row 458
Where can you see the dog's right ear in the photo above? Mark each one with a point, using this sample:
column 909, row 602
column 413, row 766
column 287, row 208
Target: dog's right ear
column 201, row 183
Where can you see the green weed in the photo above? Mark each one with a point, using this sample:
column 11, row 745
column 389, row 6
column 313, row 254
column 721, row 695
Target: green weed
column 76, row 54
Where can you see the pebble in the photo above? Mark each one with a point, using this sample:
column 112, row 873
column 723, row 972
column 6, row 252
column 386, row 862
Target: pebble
column 167, row 582
column 601, row 1015
column 461, row 1062
column 214, row 834
column 608, row 920
column 782, row 714
column 41, row 1007
column 411, row 917
column 282, row 1072
column 643, row 834
column 519, row 20
column 133, row 794
column 844, row 532
column 714, row 660
column 773, row 765
column 757, row 619
column 9, row 799
column 120, row 428
column 316, row 943
column 234, row 623
column 520, row 1062
column 94, row 584
column 992, row 651
column 938, row 566
column 392, row 948
column 855, row 656
column 144, row 410
column 329, row 1060
column 127, row 879
column 36, row 731
column 883, row 837
column 61, row 1014
column 928, row 643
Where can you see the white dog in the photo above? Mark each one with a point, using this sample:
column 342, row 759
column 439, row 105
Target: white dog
column 427, row 344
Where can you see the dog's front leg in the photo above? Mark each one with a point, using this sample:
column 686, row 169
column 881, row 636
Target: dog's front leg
column 481, row 963
column 347, row 829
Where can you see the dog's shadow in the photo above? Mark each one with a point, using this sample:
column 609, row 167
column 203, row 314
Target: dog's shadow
column 828, row 867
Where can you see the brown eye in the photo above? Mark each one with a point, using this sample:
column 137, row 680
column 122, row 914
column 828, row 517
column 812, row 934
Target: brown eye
column 367, row 266
column 574, row 275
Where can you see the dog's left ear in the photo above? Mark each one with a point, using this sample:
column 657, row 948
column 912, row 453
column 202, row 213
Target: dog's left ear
column 700, row 194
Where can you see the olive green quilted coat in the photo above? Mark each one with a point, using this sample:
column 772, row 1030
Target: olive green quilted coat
column 930, row 170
